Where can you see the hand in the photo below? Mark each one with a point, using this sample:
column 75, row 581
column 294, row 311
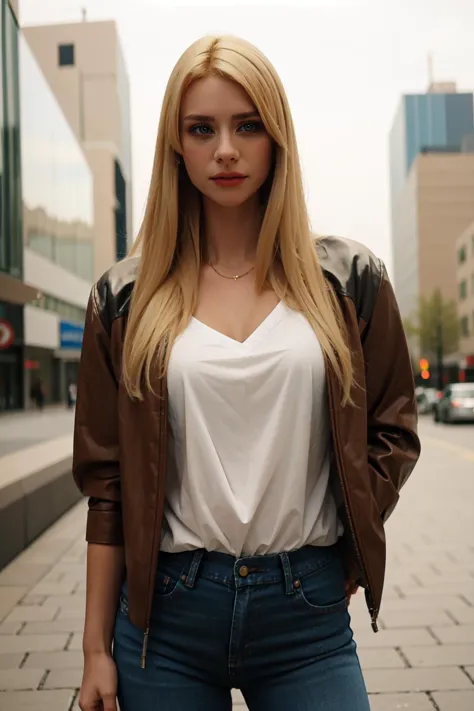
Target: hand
column 351, row 589
column 99, row 683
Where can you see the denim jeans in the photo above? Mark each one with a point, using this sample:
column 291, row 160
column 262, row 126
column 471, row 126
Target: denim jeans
column 276, row 626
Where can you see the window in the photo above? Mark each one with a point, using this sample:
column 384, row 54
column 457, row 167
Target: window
column 463, row 290
column 462, row 255
column 66, row 55
column 464, row 327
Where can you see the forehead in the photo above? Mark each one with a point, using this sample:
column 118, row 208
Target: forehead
column 215, row 96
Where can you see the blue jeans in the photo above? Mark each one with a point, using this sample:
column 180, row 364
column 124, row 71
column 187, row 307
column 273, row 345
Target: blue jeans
column 274, row 626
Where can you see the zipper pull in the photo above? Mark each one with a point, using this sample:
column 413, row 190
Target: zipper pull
column 375, row 626
column 145, row 647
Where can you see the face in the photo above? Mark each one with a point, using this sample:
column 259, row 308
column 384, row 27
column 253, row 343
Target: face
column 226, row 148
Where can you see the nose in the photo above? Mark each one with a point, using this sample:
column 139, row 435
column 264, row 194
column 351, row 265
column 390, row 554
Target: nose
column 226, row 151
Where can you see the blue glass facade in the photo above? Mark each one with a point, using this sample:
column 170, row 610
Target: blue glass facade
column 427, row 122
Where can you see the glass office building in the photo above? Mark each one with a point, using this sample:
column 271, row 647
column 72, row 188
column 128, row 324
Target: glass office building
column 11, row 296
column 57, row 183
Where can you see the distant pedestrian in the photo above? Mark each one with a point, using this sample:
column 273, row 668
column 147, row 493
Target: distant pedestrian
column 237, row 503
column 37, row 394
column 71, row 395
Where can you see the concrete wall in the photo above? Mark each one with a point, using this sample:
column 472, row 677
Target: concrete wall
column 46, row 276
column 445, row 196
column 465, row 271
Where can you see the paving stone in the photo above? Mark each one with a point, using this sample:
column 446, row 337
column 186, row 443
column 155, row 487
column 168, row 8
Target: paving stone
column 415, row 618
column 463, row 615
column 430, row 679
column 422, row 602
column 10, row 627
column 76, row 616
column 32, row 613
column 64, row 679
column 395, row 638
column 33, row 643
column 440, row 656
column 33, row 600
column 55, row 627
column 65, row 587
column 9, row 597
column 36, row 700
column 54, row 660
column 380, row 659
column 67, row 602
column 76, row 642
column 11, row 661
column 455, row 700
column 400, row 702
column 442, row 588
column 20, row 679
column 458, row 634
column 22, row 574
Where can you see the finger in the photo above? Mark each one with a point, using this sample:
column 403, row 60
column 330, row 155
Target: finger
column 109, row 702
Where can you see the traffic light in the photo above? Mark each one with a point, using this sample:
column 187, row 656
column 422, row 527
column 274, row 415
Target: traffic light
column 425, row 369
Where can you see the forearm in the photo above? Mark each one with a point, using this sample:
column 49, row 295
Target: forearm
column 105, row 569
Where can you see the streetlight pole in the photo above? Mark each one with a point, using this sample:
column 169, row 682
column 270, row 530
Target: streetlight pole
column 439, row 352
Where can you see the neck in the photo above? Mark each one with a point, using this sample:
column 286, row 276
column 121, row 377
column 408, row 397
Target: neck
column 231, row 234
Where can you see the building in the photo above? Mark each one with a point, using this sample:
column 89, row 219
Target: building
column 465, row 280
column 58, row 234
column 84, row 65
column 14, row 289
column 432, row 190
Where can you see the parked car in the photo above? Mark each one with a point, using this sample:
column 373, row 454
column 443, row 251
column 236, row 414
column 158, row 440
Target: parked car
column 427, row 399
column 456, row 404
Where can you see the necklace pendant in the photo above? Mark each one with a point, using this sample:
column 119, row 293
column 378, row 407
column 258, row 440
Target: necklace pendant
column 236, row 277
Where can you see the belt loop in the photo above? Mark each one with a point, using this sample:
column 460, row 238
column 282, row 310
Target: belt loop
column 285, row 562
column 193, row 569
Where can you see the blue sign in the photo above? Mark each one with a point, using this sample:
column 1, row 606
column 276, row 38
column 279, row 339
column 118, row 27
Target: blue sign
column 71, row 335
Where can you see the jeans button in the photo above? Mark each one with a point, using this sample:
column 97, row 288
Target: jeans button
column 243, row 571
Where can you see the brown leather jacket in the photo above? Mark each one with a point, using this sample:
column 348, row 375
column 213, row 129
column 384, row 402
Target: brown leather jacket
column 120, row 444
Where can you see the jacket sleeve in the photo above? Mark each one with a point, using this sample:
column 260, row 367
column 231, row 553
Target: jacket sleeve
column 96, row 467
column 393, row 444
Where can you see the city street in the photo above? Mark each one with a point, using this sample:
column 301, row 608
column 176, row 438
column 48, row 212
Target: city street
column 421, row 660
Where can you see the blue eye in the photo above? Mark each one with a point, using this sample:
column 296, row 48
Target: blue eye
column 201, row 130
column 250, row 126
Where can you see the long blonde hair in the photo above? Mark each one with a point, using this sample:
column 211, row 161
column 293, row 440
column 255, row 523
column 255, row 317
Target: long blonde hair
column 170, row 240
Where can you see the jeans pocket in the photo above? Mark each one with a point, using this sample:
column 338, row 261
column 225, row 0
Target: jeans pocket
column 323, row 590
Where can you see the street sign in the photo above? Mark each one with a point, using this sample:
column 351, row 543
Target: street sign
column 7, row 334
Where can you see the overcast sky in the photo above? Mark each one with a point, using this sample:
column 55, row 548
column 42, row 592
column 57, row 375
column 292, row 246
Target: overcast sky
column 344, row 64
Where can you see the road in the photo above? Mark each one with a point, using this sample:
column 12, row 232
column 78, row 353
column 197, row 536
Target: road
column 421, row 660
column 25, row 429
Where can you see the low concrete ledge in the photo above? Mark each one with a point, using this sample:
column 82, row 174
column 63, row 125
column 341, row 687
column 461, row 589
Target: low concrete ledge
column 36, row 488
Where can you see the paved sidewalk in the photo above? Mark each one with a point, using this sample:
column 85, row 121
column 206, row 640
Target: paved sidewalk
column 20, row 430
column 422, row 660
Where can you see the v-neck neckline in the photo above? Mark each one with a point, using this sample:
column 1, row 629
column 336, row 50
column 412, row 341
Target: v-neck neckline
column 263, row 327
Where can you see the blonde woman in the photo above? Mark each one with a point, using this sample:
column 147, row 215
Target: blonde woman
column 245, row 421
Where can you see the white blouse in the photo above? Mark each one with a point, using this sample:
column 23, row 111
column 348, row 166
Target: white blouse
column 248, row 462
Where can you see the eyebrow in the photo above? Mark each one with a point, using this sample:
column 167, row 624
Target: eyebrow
column 235, row 117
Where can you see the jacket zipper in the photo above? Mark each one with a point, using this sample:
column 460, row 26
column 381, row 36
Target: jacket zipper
column 368, row 593
column 158, row 519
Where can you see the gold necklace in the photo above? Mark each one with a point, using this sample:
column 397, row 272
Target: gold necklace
column 234, row 278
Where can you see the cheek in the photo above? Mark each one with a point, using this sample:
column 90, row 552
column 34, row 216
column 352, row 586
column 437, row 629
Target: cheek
column 195, row 159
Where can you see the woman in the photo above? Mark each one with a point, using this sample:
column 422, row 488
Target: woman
column 245, row 420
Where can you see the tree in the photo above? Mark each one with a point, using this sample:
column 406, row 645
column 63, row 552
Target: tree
column 436, row 327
